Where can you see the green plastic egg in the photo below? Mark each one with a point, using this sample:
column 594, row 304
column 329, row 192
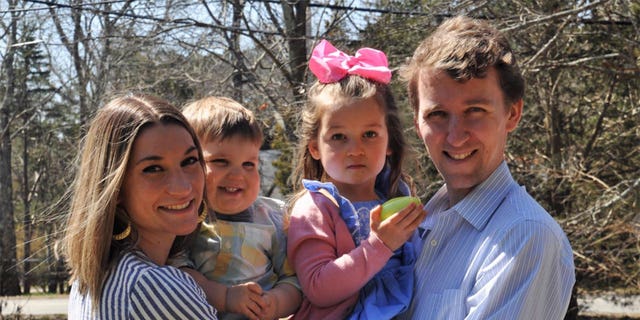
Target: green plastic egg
column 396, row 204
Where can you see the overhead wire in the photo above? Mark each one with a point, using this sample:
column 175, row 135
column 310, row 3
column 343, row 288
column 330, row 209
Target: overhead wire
column 192, row 22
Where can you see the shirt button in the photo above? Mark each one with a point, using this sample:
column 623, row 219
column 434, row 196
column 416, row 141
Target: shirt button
column 434, row 242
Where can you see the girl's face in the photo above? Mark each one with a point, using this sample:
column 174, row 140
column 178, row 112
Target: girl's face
column 352, row 145
column 163, row 185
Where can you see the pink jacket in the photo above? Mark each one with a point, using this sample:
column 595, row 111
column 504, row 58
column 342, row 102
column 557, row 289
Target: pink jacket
column 331, row 270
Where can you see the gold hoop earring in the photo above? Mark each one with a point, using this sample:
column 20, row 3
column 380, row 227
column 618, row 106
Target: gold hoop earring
column 123, row 234
column 203, row 213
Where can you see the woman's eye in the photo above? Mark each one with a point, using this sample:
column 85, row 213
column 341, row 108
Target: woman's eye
column 152, row 168
column 338, row 136
column 189, row 161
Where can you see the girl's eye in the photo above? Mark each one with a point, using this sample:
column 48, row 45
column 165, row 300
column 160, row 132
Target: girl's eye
column 189, row 161
column 338, row 136
column 370, row 134
column 152, row 168
column 436, row 114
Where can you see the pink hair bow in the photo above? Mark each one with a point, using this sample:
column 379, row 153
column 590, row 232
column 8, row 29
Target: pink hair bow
column 331, row 65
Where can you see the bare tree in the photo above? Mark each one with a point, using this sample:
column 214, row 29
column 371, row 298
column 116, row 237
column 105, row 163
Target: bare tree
column 90, row 53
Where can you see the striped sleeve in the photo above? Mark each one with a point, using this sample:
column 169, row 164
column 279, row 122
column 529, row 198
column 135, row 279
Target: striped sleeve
column 524, row 277
column 169, row 293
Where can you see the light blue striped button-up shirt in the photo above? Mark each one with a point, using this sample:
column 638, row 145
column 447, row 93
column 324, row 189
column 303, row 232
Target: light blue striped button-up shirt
column 496, row 254
column 139, row 289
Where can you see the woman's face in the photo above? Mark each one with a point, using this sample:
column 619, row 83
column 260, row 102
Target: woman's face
column 163, row 185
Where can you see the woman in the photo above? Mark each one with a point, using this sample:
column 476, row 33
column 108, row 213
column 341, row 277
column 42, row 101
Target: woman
column 136, row 196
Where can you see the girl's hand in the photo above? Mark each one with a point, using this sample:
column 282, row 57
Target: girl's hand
column 245, row 299
column 280, row 302
column 397, row 229
column 269, row 312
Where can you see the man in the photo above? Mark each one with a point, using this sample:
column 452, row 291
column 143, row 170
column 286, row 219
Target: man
column 487, row 249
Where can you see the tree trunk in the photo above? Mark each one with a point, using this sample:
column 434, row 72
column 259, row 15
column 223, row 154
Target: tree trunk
column 78, row 64
column 9, row 284
column 73, row 46
column 26, row 218
column 238, row 7
column 295, row 17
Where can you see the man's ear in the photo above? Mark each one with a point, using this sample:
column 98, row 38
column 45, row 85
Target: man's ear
column 514, row 115
column 313, row 149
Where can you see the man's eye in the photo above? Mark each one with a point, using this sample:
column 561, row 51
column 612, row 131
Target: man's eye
column 152, row 168
column 475, row 109
column 338, row 136
column 189, row 161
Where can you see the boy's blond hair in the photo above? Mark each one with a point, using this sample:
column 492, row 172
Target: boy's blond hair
column 219, row 118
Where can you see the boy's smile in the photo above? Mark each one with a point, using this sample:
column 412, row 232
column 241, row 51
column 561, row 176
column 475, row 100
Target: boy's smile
column 233, row 180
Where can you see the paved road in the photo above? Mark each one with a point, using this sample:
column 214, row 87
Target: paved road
column 54, row 305
column 610, row 306
column 34, row 305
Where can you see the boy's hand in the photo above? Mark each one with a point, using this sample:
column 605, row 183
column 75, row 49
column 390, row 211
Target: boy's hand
column 245, row 299
column 397, row 229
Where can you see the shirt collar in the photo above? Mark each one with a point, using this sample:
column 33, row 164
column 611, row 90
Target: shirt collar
column 244, row 216
column 478, row 206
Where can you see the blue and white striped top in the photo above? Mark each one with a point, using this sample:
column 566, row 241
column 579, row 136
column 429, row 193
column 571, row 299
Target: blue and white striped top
column 136, row 288
column 496, row 254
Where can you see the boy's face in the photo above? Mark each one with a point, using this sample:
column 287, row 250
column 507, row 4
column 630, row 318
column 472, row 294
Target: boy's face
column 232, row 177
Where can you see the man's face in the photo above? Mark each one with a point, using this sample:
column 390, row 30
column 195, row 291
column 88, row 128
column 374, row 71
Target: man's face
column 464, row 127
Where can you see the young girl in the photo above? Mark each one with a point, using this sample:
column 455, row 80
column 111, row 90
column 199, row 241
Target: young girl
column 350, row 156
